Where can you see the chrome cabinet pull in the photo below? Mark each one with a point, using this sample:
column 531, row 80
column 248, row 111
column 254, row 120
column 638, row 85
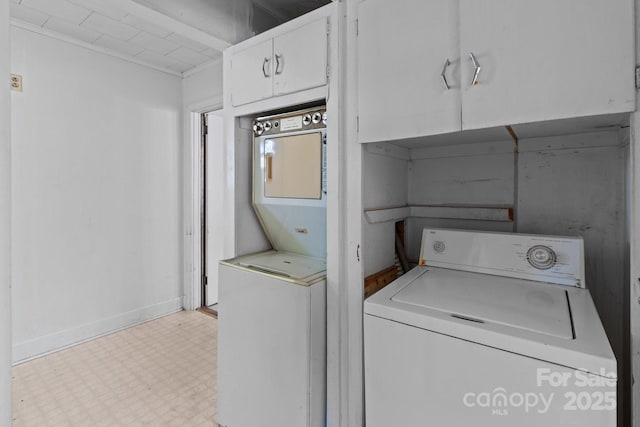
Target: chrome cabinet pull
column 443, row 76
column 477, row 68
column 265, row 63
column 279, row 62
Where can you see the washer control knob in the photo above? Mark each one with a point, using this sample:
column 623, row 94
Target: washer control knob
column 324, row 118
column 267, row 126
column 439, row 246
column 258, row 128
column 541, row 257
column 316, row 118
column 306, row 119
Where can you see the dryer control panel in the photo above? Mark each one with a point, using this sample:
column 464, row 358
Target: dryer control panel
column 550, row 259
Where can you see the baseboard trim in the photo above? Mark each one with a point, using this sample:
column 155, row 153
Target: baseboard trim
column 41, row 346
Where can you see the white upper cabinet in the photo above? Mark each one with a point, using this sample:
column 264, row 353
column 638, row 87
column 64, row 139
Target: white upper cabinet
column 300, row 58
column 438, row 66
column 407, row 56
column 251, row 71
column 545, row 59
column 287, row 63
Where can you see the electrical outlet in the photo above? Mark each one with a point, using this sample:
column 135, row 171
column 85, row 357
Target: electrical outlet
column 16, row 82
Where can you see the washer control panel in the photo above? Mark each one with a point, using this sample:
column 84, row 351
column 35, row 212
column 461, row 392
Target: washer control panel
column 314, row 118
column 551, row 259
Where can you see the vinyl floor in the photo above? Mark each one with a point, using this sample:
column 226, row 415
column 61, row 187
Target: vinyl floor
column 160, row 373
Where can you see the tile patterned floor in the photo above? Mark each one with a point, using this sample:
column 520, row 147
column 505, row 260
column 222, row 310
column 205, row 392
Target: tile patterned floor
column 160, row 373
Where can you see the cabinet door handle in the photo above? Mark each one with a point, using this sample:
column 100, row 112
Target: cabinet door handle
column 443, row 76
column 265, row 63
column 477, row 68
column 279, row 63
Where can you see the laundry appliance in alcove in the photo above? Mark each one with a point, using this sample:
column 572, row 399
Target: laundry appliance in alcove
column 491, row 329
column 271, row 330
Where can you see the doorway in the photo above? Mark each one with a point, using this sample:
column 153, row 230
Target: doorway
column 211, row 214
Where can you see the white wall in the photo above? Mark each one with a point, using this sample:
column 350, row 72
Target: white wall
column 458, row 175
column 96, row 194
column 384, row 185
column 203, row 84
column 5, row 223
column 579, row 189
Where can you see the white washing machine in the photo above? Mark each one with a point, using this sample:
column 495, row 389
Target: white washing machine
column 271, row 341
column 272, row 305
column 491, row 329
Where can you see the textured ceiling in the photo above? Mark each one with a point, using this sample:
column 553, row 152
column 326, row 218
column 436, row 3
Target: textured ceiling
column 216, row 17
column 175, row 36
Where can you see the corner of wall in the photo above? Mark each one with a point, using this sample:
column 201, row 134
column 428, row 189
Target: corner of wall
column 5, row 221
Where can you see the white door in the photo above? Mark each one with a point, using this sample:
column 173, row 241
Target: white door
column 214, row 220
column 545, row 60
column 300, row 58
column 403, row 47
column 251, row 74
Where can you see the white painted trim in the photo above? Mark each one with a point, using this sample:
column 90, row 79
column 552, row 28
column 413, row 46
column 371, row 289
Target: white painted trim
column 634, row 257
column 275, row 102
column 193, row 233
column 55, row 35
column 192, row 189
column 350, row 291
column 27, row 350
column 336, row 226
column 171, row 24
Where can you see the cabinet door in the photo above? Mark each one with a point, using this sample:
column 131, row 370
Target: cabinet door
column 300, row 58
column 545, row 60
column 403, row 46
column 251, row 74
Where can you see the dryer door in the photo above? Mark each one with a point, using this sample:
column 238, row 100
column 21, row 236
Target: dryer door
column 293, row 166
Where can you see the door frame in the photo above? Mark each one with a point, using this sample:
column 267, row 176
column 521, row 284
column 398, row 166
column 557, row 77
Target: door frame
column 192, row 198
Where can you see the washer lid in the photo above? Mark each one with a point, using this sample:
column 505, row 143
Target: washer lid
column 283, row 264
column 483, row 298
column 554, row 323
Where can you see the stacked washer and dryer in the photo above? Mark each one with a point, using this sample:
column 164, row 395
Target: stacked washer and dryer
column 272, row 305
column 491, row 329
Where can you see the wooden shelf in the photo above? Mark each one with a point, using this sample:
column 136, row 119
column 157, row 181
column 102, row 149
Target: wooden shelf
column 481, row 213
column 385, row 215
